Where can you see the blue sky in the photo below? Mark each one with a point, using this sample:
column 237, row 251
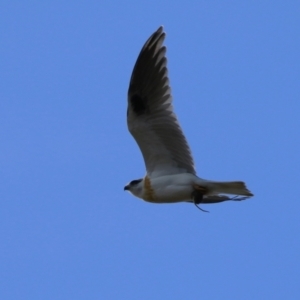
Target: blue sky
column 67, row 228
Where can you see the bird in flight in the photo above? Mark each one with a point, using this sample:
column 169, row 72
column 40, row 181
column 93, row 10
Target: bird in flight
column 171, row 175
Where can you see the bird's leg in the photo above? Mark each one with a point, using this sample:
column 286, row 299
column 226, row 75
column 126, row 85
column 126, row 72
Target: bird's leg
column 197, row 196
column 198, row 193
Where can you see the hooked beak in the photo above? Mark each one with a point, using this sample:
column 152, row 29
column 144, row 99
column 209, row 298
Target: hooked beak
column 126, row 188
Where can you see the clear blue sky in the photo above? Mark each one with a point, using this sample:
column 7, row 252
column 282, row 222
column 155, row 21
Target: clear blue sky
column 67, row 228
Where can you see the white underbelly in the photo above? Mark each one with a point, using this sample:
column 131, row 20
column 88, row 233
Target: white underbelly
column 172, row 188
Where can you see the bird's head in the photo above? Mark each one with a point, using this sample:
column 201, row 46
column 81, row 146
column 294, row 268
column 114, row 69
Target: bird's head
column 135, row 187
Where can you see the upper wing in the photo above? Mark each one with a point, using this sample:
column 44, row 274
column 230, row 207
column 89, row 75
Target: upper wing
column 150, row 115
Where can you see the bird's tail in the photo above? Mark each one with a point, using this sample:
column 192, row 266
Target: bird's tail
column 229, row 187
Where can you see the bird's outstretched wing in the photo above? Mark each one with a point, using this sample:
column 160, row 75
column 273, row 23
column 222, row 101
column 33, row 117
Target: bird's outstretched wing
column 150, row 115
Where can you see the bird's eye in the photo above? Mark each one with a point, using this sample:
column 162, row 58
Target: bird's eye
column 135, row 182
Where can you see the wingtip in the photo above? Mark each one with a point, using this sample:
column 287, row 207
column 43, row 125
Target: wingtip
column 160, row 29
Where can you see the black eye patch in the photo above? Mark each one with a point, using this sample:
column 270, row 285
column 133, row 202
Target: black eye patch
column 135, row 182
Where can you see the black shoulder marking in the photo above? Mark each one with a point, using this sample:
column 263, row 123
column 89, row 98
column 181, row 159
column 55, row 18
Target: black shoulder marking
column 139, row 104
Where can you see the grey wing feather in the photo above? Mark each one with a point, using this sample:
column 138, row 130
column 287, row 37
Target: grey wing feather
column 150, row 115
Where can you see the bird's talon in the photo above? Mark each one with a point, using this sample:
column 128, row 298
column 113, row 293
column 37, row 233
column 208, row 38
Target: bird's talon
column 201, row 208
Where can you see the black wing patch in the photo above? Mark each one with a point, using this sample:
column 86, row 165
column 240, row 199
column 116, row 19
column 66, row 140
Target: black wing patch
column 138, row 104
